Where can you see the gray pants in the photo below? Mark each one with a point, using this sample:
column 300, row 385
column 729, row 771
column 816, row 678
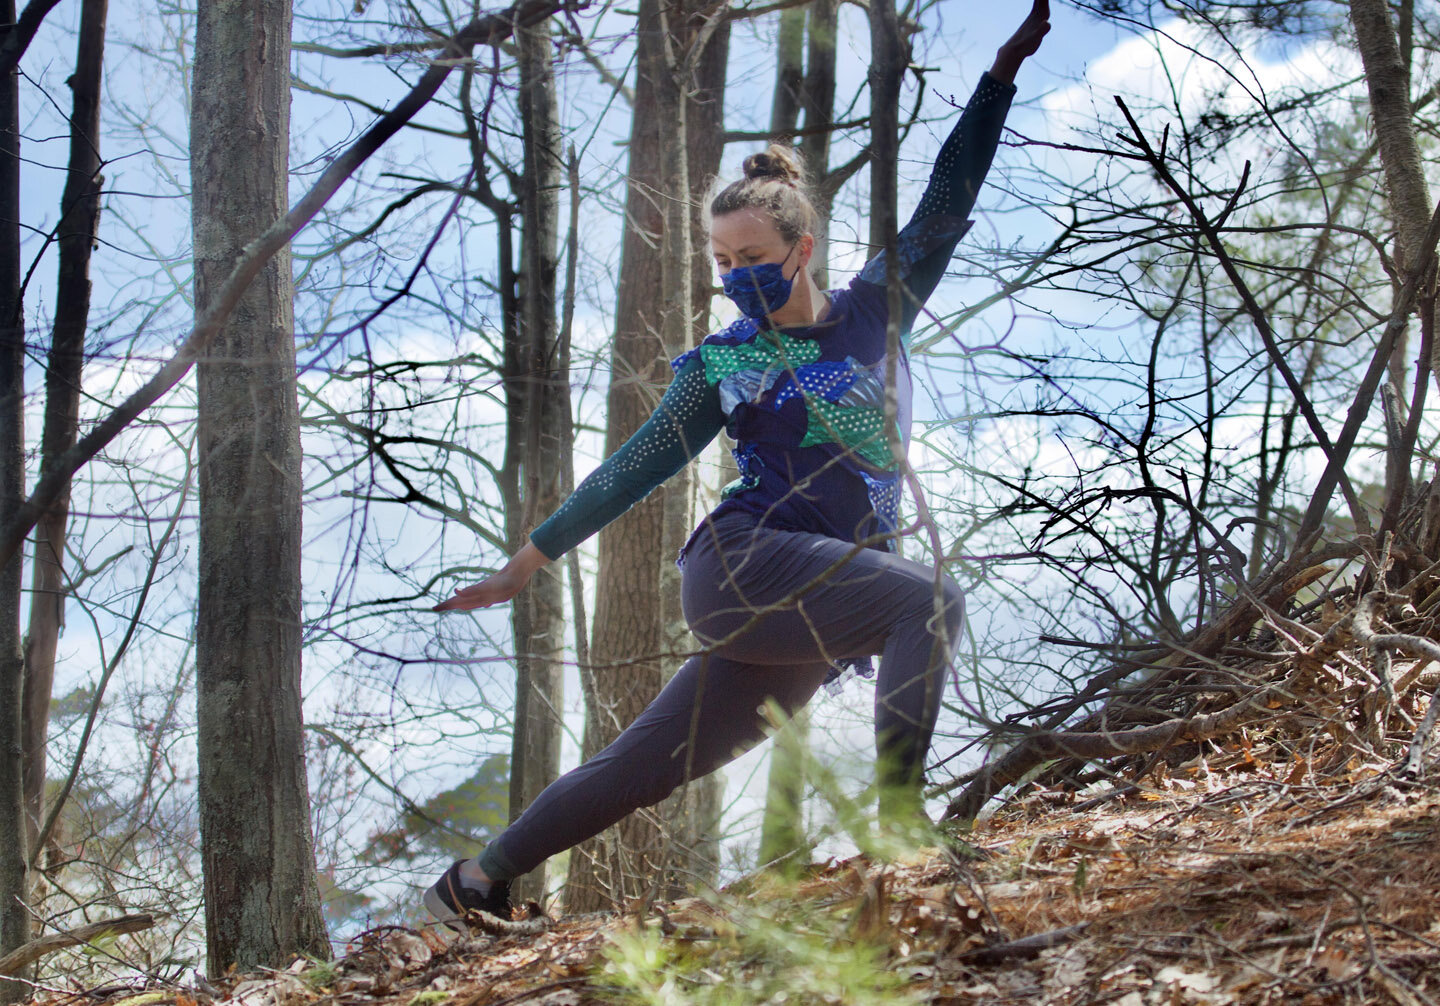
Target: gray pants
column 793, row 603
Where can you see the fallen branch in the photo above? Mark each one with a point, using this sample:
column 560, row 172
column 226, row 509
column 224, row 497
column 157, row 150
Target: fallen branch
column 1025, row 948
column 1038, row 748
column 494, row 925
column 1415, row 646
column 17, row 960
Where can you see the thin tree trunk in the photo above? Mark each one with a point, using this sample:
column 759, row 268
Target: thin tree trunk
column 887, row 65
column 626, row 670
column 14, row 916
column 538, row 613
column 693, row 814
column 782, row 828
column 789, row 71
column 79, row 219
column 261, row 902
column 1387, row 78
column 818, row 101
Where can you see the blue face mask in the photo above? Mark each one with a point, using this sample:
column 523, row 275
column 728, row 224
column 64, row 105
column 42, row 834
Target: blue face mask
column 758, row 290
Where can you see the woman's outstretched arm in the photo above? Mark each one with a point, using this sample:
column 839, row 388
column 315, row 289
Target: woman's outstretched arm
column 941, row 218
column 687, row 418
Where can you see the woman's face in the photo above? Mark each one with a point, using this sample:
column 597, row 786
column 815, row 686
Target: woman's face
column 749, row 237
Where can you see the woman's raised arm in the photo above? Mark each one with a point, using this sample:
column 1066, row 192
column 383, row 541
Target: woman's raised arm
column 1023, row 44
column 941, row 217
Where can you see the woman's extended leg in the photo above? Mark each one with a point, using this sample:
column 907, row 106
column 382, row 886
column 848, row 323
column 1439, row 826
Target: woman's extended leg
column 776, row 609
column 707, row 715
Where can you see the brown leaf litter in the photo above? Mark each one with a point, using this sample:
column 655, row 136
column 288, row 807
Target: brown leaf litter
column 1224, row 880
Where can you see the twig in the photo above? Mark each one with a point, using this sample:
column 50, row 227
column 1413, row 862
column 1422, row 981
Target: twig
column 1266, row 591
column 1025, row 947
column 1416, row 647
column 496, row 926
column 1333, row 452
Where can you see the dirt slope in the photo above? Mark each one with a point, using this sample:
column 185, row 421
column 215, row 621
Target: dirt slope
column 1225, row 880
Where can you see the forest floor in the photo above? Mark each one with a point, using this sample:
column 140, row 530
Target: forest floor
column 1231, row 878
column 1289, row 857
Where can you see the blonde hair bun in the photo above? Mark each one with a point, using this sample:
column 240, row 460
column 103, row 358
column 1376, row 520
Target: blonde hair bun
column 778, row 163
column 774, row 183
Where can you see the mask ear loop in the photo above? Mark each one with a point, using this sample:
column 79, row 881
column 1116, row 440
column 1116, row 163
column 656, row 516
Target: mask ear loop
column 761, row 293
column 798, row 265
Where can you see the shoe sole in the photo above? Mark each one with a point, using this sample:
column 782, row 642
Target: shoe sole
column 444, row 913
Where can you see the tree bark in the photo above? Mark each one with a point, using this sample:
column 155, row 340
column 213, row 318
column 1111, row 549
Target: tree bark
column 1387, row 78
column 782, row 828
column 79, row 220
column 818, row 101
column 262, row 905
column 14, row 916
column 887, row 67
column 626, row 671
column 693, row 814
column 543, row 389
column 789, row 71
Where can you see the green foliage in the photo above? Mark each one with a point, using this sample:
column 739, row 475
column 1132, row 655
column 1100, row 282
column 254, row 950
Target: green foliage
column 429, row 997
column 772, row 941
column 76, row 703
column 451, row 824
column 903, row 826
column 780, row 949
column 320, row 974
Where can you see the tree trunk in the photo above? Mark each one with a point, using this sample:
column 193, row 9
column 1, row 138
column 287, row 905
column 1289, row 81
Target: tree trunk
column 789, row 71
column 626, row 671
column 543, row 384
column 782, row 827
column 262, row 906
column 693, row 814
column 14, row 916
column 79, row 218
column 887, row 66
column 818, row 101
column 1387, row 78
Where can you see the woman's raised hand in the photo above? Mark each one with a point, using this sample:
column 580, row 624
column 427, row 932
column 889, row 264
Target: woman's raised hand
column 500, row 587
column 1023, row 43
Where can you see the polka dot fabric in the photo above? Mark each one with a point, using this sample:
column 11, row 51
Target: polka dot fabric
column 925, row 244
column 687, row 419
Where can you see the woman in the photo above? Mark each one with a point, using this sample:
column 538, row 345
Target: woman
column 791, row 574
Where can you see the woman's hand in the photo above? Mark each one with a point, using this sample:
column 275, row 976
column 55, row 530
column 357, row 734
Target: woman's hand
column 1023, row 43
column 502, row 586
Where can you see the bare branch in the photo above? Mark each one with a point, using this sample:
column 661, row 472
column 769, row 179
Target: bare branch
column 18, row 960
column 486, row 29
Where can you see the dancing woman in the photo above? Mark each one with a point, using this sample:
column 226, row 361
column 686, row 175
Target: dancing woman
column 791, row 575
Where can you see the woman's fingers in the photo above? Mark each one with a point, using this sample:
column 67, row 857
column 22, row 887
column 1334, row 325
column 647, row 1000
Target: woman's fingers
column 478, row 595
column 1034, row 28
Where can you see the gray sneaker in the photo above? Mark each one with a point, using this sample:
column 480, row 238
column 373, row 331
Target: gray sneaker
column 450, row 901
